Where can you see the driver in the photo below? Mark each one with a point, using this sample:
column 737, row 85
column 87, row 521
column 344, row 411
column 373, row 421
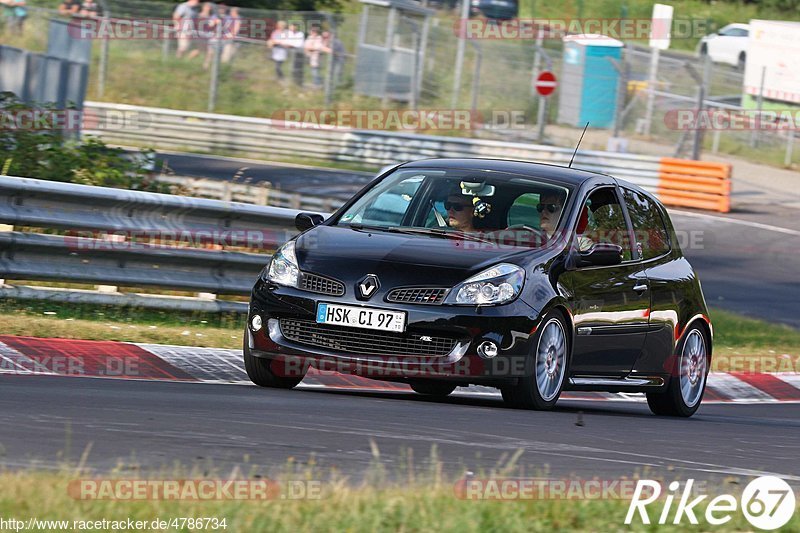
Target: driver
column 459, row 212
column 549, row 208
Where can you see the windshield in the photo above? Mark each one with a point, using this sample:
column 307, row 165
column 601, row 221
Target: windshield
column 467, row 203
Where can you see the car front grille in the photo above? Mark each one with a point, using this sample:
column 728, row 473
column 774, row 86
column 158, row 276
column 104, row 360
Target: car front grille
column 417, row 295
column 360, row 341
column 320, row 284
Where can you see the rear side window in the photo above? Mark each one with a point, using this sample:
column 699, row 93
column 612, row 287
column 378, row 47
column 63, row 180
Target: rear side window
column 652, row 239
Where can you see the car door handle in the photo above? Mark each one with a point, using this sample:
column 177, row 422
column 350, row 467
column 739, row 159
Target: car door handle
column 640, row 288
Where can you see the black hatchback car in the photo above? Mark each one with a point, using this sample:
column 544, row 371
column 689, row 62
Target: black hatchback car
column 527, row 277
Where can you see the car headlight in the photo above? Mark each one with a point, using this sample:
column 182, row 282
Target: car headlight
column 497, row 285
column 283, row 268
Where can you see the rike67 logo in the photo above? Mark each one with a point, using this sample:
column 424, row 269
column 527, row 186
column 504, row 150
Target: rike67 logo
column 767, row 502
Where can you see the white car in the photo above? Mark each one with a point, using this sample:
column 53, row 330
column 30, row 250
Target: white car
column 728, row 45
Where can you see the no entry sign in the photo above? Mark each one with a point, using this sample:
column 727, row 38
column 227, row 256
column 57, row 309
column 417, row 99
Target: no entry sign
column 546, row 83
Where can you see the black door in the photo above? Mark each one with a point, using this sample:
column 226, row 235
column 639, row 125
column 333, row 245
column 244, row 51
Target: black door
column 611, row 304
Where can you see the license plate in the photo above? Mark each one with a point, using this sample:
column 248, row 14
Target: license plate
column 361, row 317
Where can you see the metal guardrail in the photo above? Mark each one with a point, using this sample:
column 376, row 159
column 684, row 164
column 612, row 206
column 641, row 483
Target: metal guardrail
column 266, row 138
column 250, row 193
column 135, row 238
column 191, row 131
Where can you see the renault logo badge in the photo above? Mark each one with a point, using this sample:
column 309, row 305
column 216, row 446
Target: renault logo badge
column 368, row 286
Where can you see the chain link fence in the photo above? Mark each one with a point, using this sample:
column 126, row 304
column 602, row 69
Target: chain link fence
column 496, row 85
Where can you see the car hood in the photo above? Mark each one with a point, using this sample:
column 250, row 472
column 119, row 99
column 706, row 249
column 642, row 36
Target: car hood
column 397, row 259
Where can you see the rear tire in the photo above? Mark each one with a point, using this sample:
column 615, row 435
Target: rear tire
column 440, row 389
column 684, row 393
column 263, row 373
column 550, row 360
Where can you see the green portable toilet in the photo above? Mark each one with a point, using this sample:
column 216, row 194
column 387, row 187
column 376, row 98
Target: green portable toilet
column 588, row 85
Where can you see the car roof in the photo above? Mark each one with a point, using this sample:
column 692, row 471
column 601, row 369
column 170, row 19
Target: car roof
column 571, row 176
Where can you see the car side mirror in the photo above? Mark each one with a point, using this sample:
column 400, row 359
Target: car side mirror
column 304, row 221
column 601, row 254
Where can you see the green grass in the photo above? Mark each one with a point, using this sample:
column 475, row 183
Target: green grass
column 423, row 501
column 739, row 342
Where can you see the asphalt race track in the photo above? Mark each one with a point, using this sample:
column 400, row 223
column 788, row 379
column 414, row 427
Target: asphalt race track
column 45, row 420
column 744, row 265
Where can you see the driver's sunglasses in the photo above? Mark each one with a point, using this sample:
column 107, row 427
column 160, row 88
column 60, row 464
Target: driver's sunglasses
column 455, row 206
column 551, row 208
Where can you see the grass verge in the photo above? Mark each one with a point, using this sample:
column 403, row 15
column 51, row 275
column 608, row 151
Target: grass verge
column 427, row 501
column 740, row 343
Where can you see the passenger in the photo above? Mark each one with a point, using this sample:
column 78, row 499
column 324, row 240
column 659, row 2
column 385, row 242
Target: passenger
column 550, row 207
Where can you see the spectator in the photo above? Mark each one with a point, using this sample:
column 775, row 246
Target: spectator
column 278, row 42
column 231, row 24
column 90, row 9
column 185, row 17
column 335, row 47
column 208, row 30
column 69, row 7
column 296, row 40
column 313, row 47
column 15, row 14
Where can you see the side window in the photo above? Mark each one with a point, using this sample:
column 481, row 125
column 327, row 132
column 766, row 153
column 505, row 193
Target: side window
column 648, row 225
column 606, row 223
column 523, row 211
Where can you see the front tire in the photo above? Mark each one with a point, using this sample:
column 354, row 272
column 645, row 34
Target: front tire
column 550, row 359
column 685, row 390
column 439, row 389
column 263, row 373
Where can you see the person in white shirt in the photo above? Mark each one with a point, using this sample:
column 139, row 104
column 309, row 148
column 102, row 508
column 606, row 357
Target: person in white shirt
column 278, row 42
column 313, row 47
column 295, row 43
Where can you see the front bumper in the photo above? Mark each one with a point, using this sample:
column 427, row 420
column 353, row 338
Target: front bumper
column 511, row 327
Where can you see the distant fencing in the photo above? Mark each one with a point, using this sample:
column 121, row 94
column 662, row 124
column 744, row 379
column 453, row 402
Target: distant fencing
column 267, row 138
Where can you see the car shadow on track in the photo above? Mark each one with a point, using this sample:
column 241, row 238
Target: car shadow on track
column 626, row 409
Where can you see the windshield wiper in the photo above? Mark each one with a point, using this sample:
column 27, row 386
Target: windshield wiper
column 449, row 234
column 367, row 227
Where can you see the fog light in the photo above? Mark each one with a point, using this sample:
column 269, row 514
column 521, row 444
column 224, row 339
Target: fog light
column 487, row 349
column 255, row 323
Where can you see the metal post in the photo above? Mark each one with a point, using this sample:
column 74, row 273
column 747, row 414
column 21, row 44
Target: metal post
column 541, row 118
column 390, row 24
column 537, row 59
column 651, row 89
column 329, row 80
column 622, row 84
column 697, row 146
column 476, row 76
column 462, row 26
column 760, row 107
column 102, row 67
column 422, row 47
column 787, row 160
column 412, row 89
column 212, row 91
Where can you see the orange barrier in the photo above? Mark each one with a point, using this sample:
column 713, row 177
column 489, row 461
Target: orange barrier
column 698, row 184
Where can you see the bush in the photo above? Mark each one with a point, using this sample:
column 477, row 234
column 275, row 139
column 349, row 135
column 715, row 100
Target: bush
column 57, row 154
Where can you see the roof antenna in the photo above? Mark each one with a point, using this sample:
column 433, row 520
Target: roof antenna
column 578, row 145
